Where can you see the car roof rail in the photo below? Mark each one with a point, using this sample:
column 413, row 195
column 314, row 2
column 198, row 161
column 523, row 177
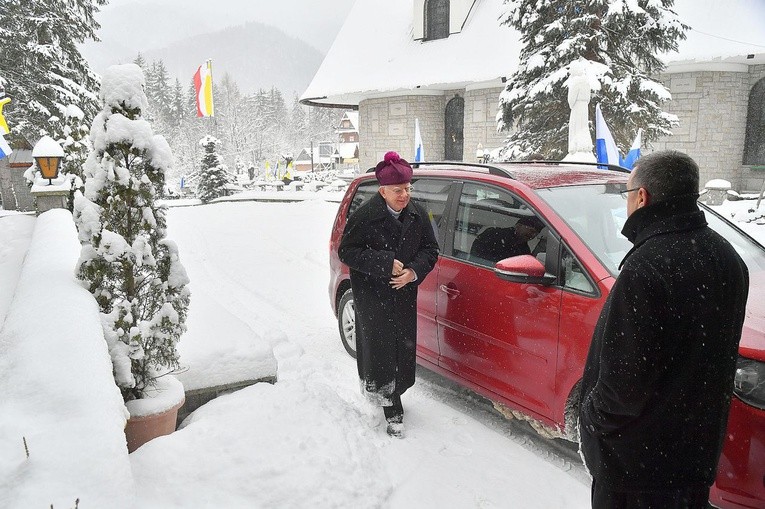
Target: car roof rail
column 503, row 172
column 493, row 170
column 605, row 166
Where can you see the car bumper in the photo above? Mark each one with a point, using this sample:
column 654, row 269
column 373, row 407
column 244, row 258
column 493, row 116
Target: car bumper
column 740, row 479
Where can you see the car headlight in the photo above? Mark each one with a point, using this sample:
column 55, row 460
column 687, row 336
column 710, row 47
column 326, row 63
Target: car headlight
column 749, row 383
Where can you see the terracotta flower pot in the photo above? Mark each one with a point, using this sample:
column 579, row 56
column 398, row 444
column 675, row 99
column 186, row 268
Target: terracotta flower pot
column 141, row 429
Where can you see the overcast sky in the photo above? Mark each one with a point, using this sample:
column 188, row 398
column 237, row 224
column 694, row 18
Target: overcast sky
column 316, row 22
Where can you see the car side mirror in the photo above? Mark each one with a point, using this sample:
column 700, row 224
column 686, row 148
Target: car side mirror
column 523, row 269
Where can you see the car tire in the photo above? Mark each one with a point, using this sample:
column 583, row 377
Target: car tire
column 346, row 322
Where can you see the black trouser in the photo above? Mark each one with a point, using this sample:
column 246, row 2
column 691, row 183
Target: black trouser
column 395, row 412
column 604, row 497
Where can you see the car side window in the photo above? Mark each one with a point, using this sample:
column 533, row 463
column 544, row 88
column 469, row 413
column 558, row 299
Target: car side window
column 431, row 195
column 492, row 225
column 363, row 194
column 574, row 276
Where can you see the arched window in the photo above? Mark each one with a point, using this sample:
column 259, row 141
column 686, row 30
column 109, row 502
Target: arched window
column 454, row 122
column 754, row 147
column 436, row 19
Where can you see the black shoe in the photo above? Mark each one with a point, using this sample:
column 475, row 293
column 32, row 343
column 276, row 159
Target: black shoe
column 395, row 429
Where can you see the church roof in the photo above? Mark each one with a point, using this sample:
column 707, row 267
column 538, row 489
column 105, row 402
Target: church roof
column 377, row 38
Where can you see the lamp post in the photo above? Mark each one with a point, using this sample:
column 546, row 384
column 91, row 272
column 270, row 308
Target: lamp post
column 48, row 154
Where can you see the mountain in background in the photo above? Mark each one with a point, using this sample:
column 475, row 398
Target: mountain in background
column 254, row 55
column 266, row 51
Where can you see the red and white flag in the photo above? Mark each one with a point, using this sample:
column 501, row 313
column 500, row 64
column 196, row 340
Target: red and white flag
column 203, row 86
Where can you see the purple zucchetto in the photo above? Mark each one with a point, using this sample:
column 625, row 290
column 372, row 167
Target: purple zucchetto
column 393, row 170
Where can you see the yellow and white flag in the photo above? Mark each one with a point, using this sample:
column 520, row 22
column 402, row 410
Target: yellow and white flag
column 203, row 86
column 3, row 124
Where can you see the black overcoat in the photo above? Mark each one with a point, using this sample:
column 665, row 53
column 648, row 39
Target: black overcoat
column 386, row 319
column 659, row 375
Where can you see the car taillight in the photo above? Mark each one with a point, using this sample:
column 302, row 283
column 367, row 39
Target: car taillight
column 749, row 383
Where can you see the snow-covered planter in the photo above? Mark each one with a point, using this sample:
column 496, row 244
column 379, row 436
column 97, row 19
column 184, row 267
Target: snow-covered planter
column 126, row 262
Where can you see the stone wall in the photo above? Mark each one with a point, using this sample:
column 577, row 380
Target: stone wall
column 24, row 199
column 712, row 108
column 14, row 187
column 388, row 124
column 480, row 125
column 6, row 185
column 711, row 105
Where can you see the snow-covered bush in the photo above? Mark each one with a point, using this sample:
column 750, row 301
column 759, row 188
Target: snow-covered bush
column 126, row 261
column 212, row 176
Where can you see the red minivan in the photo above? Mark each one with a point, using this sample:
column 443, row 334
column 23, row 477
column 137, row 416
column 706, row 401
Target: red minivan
column 517, row 330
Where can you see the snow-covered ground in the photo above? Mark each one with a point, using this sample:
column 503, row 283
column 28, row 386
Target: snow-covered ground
column 311, row 440
column 259, row 278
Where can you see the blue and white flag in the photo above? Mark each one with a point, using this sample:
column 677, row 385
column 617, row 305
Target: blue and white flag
column 605, row 146
column 634, row 153
column 419, row 151
column 5, row 149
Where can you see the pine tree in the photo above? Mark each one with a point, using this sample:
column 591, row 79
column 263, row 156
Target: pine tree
column 159, row 94
column 141, row 62
column 126, row 262
column 71, row 132
column 41, row 61
column 298, row 124
column 213, row 175
column 620, row 42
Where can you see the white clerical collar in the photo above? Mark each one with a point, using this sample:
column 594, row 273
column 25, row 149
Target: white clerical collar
column 393, row 212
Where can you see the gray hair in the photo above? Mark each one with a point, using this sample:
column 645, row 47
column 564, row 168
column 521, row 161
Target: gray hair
column 666, row 174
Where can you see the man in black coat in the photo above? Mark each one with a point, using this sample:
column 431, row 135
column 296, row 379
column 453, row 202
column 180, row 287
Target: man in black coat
column 390, row 247
column 659, row 375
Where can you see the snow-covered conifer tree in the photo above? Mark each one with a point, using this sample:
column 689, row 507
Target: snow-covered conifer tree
column 127, row 262
column 621, row 41
column 42, row 63
column 213, row 175
column 73, row 138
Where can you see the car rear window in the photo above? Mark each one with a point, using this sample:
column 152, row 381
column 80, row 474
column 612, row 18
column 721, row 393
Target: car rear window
column 430, row 194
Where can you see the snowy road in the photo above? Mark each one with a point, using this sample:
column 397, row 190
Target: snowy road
column 310, row 440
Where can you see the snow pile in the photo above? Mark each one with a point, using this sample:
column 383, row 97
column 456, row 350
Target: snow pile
column 15, row 235
column 122, row 87
column 57, row 386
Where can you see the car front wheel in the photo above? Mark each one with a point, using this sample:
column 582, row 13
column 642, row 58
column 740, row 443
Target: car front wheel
column 346, row 321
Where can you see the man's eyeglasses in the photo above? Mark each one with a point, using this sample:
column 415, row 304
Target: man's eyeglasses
column 398, row 191
column 628, row 191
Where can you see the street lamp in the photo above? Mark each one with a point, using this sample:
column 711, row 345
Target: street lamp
column 48, row 154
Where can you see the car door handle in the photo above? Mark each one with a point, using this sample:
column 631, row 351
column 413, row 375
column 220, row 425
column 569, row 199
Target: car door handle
column 451, row 292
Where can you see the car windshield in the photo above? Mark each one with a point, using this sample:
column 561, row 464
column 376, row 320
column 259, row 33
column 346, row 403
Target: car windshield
column 597, row 214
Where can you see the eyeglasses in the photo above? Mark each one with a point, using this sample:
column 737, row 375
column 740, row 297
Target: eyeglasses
column 398, row 191
column 628, row 191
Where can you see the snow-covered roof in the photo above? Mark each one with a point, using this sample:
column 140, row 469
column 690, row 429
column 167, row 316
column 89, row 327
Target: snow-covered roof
column 378, row 38
column 353, row 118
column 722, row 33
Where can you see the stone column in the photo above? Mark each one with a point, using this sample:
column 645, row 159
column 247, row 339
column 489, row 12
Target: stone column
column 50, row 197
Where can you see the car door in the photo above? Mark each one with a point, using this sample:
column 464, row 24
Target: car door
column 431, row 195
column 500, row 335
